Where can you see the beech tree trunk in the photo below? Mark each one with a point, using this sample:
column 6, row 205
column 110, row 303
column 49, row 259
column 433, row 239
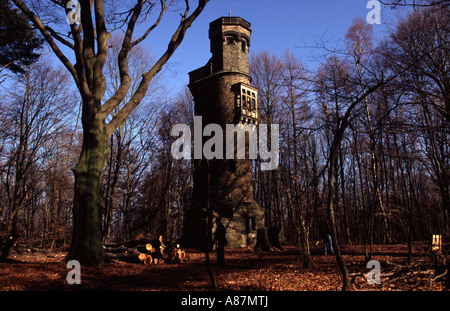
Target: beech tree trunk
column 87, row 246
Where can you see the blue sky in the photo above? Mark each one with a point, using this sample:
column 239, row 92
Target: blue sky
column 276, row 26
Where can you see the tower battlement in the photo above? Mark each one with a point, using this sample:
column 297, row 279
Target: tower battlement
column 229, row 46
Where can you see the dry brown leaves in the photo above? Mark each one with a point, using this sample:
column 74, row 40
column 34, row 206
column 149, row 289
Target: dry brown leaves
column 245, row 270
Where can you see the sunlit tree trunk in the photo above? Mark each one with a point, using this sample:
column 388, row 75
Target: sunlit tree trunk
column 87, row 246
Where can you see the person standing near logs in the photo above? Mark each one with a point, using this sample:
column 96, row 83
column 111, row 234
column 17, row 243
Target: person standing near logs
column 221, row 239
column 325, row 233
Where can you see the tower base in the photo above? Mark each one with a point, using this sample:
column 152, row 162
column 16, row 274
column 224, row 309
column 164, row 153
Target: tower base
column 241, row 222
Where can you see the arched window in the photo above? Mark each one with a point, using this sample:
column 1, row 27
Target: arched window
column 230, row 39
column 244, row 44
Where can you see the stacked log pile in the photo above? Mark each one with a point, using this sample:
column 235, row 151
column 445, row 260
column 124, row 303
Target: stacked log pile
column 147, row 251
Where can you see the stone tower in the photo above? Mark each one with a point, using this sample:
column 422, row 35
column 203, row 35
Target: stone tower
column 223, row 95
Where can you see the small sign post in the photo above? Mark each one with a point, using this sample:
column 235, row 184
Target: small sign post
column 436, row 243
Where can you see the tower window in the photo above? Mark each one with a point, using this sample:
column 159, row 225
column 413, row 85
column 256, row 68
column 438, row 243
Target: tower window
column 247, row 100
column 230, row 39
column 250, row 223
column 253, row 223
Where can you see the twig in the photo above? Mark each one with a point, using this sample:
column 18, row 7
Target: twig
column 437, row 277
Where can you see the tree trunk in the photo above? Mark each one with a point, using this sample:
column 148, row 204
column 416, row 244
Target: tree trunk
column 301, row 229
column 87, row 245
column 113, row 177
column 275, row 237
column 304, row 241
column 332, row 217
column 343, row 197
column 6, row 243
column 262, row 241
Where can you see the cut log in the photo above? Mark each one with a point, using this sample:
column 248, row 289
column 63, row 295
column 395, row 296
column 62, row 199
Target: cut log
column 172, row 253
column 182, row 255
column 125, row 257
column 135, row 243
column 146, row 251
column 117, row 249
column 123, row 250
column 142, row 249
column 129, row 243
column 148, row 260
column 162, row 250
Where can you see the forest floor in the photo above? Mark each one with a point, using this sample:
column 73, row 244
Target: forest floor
column 245, row 270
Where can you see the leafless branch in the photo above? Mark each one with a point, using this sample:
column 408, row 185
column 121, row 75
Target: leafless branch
column 164, row 8
column 415, row 3
column 175, row 41
column 48, row 37
column 59, row 37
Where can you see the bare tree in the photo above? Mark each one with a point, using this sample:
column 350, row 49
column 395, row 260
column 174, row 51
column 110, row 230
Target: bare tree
column 295, row 85
column 265, row 70
column 88, row 41
column 125, row 138
column 359, row 43
column 31, row 119
column 420, row 43
column 340, row 99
